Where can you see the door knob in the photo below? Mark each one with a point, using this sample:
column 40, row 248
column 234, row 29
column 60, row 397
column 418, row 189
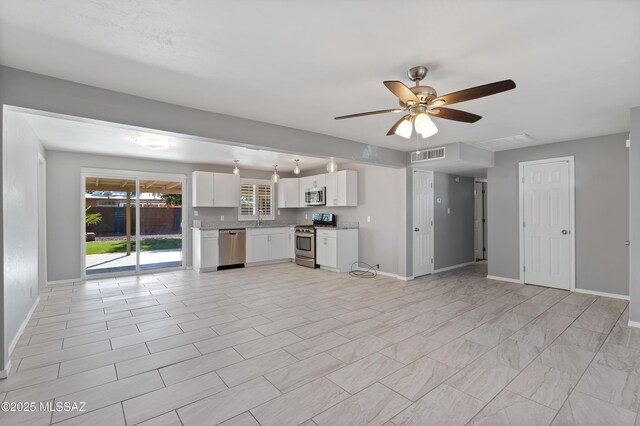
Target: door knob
column 416, row 229
column 565, row 232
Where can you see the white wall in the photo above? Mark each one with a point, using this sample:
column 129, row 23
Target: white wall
column 20, row 149
column 382, row 197
column 63, row 203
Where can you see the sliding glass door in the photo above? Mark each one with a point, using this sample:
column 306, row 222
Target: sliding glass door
column 132, row 222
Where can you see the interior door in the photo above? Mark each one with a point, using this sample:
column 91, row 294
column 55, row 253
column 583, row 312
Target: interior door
column 547, row 224
column 478, row 225
column 422, row 222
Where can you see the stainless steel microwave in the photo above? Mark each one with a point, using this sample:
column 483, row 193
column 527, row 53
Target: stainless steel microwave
column 314, row 196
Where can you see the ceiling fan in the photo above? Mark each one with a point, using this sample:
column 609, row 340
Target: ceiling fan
column 420, row 102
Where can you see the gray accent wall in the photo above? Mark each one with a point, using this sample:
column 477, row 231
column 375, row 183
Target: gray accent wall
column 602, row 210
column 63, row 203
column 634, row 216
column 20, row 150
column 453, row 220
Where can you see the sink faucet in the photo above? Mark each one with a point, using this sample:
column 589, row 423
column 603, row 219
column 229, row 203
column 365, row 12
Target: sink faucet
column 259, row 217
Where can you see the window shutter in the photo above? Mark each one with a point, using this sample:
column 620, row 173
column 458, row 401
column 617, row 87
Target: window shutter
column 247, row 197
column 264, row 200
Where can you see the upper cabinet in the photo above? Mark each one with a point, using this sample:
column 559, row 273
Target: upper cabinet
column 288, row 193
column 215, row 189
column 341, row 188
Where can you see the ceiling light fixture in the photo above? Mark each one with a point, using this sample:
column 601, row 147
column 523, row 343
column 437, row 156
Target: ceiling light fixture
column 424, row 125
column 275, row 177
column 236, row 170
column 154, row 143
column 296, row 169
column 332, row 166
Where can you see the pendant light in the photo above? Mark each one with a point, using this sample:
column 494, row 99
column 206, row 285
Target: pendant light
column 296, row 169
column 275, row 177
column 236, row 170
column 424, row 125
column 332, row 166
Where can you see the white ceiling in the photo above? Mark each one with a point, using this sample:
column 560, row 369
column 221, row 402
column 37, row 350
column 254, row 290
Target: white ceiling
column 298, row 64
column 93, row 137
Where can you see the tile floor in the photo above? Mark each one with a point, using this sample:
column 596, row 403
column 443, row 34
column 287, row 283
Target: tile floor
column 285, row 345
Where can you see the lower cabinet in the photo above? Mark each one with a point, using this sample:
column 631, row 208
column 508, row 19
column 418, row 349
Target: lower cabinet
column 205, row 250
column 337, row 249
column 267, row 244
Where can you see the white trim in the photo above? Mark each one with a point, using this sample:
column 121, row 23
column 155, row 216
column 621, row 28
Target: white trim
column 43, row 161
column 448, row 268
column 14, row 342
column 387, row 274
column 509, row 280
column 5, row 373
column 67, row 281
column 433, row 219
column 601, row 293
column 572, row 214
column 634, row 324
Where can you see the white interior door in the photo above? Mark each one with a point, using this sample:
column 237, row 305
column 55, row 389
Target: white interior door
column 422, row 223
column 547, row 224
column 478, row 225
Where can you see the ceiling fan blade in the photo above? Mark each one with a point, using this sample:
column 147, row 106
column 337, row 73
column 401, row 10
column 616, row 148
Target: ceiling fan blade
column 454, row 114
column 403, row 93
column 392, row 130
column 362, row 114
column 475, row 92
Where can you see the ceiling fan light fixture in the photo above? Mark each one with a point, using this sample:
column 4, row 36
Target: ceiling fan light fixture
column 424, row 125
column 332, row 166
column 296, row 169
column 275, row 177
column 405, row 129
column 236, row 170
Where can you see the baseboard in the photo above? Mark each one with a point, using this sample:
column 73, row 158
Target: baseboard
column 601, row 293
column 634, row 324
column 388, row 274
column 14, row 342
column 5, row 373
column 448, row 268
column 60, row 282
column 509, row 280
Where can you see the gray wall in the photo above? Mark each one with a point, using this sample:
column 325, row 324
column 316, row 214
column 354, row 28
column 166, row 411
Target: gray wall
column 63, row 203
column 634, row 215
column 20, row 149
column 382, row 196
column 453, row 231
column 602, row 210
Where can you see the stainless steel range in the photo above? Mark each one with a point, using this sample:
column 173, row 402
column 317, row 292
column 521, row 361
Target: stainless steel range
column 306, row 246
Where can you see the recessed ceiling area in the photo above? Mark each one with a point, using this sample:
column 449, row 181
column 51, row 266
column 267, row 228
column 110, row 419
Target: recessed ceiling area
column 94, row 137
column 299, row 64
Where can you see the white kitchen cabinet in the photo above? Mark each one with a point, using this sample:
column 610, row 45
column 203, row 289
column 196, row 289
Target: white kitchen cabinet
column 288, row 193
column 215, row 189
column 341, row 188
column 205, row 250
column 267, row 244
column 336, row 249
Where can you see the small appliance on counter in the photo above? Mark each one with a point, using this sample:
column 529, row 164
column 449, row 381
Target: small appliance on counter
column 323, row 219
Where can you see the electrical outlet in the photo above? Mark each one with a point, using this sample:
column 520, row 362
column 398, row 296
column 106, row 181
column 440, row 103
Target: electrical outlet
column 195, row 213
column 306, row 216
column 222, row 218
column 368, row 218
column 278, row 212
column 448, row 210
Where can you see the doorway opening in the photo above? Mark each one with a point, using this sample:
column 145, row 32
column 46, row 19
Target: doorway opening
column 131, row 222
column 547, row 222
column 480, row 220
column 422, row 222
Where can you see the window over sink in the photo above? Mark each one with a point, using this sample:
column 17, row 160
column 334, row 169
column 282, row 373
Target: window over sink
column 256, row 200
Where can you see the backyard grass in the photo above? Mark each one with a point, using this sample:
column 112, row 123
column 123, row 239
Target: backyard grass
column 120, row 246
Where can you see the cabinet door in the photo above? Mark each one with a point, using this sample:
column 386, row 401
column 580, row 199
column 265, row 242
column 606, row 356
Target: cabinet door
column 278, row 246
column 318, row 181
column 226, row 190
column 288, row 193
column 202, row 189
column 208, row 252
column 257, row 248
column 332, row 183
column 326, row 254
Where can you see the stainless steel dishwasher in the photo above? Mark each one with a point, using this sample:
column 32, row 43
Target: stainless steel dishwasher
column 232, row 248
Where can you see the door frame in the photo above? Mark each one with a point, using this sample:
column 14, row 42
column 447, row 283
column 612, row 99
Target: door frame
column 433, row 226
column 475, row 218
column 137, row 175
column 572, row 213
column 42, row 220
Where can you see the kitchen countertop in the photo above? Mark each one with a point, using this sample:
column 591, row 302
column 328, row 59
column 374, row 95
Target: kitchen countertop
column 252, row 225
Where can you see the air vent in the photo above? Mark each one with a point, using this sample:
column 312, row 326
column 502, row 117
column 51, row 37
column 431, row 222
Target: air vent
column 428, row 155
column 509, row 142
